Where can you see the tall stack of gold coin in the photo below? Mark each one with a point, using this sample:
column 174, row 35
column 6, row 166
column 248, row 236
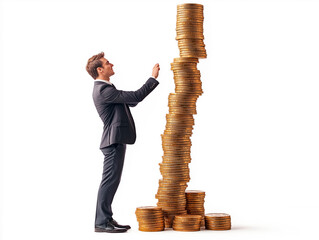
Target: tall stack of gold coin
column 150, row 219
column 195, row 203
column 176, row 140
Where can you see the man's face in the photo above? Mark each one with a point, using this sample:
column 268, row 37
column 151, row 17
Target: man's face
column 107, row 69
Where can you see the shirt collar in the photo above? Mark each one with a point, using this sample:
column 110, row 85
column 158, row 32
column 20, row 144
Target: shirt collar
column 101, row 80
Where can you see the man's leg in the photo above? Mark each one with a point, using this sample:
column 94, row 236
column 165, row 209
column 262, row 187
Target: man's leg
column 112, row 172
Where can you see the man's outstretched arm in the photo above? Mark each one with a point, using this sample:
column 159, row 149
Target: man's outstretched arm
column 155, row 73
column 112, row 95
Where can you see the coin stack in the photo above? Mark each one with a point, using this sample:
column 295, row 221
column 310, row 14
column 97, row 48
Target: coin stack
column 176, row 140
column 195, row 203
column 187, row 81
column 171, row 198
column 189, row 29
column 217, row 221
column 150, row 218
column 187, row 222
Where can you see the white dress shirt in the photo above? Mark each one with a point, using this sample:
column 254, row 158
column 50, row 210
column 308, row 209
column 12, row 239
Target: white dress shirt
column 101, row 80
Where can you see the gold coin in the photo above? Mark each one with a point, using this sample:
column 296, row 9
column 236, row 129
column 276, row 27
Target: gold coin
column 152, row 218
column 187, row 217
column 180, row 67
column 190, row 41
column 189, row 17
column 176, row 168
column 167, row 192
column 184, row 63
column 189, row 25
column 190, row 8
column 151, row 222
column 190, row 5
column 195, row 192
column 150, row 230
column 170, row 206
column 189, row 14
column 171, row 174
column 165, row 181
column 174, row 172
column 217, row 215
column 211, row 223
column 166, row 202
column 186, row 74
column 213, row 228
column 191, row 74
column 190, row 32
column 180, row 59
column 190, row 37
column 218, row 219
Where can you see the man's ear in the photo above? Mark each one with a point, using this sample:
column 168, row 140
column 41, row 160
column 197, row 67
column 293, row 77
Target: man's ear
column 99, row 69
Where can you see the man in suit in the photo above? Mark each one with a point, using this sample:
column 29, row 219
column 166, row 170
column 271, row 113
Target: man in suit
column 112, row 106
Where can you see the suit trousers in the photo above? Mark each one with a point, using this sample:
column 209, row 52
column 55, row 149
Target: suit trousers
column 112, row 171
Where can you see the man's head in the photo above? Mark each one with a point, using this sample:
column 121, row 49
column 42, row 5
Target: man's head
column 99, row 67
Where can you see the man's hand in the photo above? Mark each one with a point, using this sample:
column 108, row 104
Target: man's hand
column 155, row 71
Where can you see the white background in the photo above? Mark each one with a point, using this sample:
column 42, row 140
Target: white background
column 256, row 134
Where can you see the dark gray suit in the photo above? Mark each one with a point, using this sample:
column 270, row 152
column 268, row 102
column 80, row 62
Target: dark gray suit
column 119, row 130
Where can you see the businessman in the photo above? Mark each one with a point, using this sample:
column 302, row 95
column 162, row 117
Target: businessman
column 113, row 107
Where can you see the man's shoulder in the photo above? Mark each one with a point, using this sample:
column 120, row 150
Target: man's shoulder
column 102, row 85
column 102, row 90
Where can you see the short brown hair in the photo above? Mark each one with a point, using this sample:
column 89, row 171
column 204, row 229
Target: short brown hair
column 93, row 63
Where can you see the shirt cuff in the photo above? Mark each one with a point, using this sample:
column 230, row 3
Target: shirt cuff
column 153, row 77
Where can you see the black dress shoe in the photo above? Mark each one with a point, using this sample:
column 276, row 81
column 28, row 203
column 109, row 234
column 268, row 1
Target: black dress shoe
column 110, row 228
column 120, row 226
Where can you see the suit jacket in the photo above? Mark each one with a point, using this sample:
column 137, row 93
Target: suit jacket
column 113, row 108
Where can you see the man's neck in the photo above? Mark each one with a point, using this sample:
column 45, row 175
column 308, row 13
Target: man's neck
column 104, row 78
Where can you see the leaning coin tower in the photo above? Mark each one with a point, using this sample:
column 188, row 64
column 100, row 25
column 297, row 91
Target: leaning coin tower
column 176, row 139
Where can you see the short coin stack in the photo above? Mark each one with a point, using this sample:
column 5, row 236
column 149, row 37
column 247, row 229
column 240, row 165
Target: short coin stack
column 187, row 222
column 150, row 219
column 189, row 29
column 195, row 203
column 176, row 140
column 217, row 221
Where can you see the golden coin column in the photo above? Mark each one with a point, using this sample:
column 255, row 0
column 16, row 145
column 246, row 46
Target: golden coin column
column 150, row 219
column 176, row 140
column 217, row 221
column 195, row 204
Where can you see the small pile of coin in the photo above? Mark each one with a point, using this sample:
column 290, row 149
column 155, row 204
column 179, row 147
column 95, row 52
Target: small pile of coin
column 187, row 222
column 189, row 30
column 150, row 218
column 217, row 221
column 195, row 203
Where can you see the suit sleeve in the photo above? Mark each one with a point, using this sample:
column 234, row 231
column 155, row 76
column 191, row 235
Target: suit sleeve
column 112, row 95
column 132, row 104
